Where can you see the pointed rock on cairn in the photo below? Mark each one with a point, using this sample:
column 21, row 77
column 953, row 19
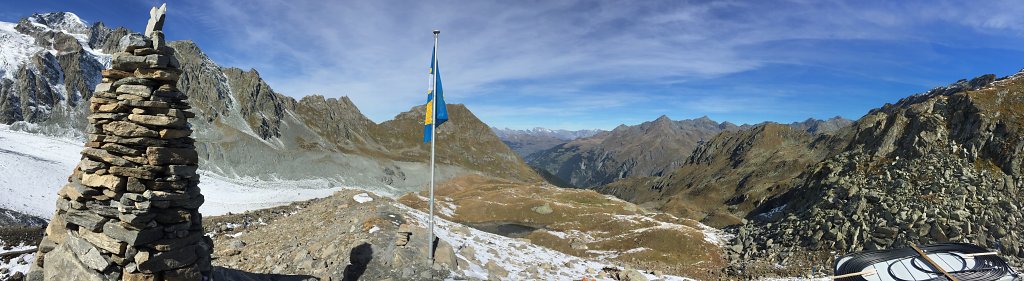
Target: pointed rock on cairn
column 131, row 208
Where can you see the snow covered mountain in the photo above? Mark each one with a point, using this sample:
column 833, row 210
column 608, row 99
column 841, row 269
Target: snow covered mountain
column 526, row 142
column 49, row 64
column 565, row 135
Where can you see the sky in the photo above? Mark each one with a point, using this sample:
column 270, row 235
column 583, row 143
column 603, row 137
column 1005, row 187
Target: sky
column 594, row 64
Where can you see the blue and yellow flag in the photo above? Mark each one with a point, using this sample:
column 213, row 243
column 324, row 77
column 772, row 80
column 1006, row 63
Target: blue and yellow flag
column 442, row 109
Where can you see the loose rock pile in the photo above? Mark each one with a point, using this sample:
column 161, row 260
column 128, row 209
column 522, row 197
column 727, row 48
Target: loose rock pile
column 130, row 209
column 931, row 168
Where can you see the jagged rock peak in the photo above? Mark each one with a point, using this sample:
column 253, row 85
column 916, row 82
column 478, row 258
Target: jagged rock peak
column 956, row 87
column 62, row 21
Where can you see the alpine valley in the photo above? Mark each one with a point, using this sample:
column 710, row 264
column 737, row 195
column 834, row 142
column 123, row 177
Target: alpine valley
column 311, row 189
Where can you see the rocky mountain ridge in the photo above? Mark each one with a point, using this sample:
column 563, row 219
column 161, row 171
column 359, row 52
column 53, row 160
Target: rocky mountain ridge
column 818, row 126
column 650, row 149
column 944, row 165
column 729, row 175
column 243, row 127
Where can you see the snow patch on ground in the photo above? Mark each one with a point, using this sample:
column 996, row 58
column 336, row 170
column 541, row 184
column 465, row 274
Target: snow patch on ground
column 224, row 195
column 34, row 167
column 16, row 264
column 513, row 255
column 715, row 236
column 362, row 198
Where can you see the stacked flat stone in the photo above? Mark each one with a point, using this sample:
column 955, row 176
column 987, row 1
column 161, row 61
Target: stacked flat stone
column 130, row 209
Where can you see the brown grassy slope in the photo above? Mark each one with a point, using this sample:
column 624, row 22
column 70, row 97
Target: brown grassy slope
column 463, row 141
column 728, row 176
column 604, row 224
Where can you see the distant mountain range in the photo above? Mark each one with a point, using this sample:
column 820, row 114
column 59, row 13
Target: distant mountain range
column 652, row 148
column 526, row 142
column 51, row 62
column 566, row 135
column 729, row 175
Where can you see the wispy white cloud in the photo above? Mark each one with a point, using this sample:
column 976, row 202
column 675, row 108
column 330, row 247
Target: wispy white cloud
column 515, row 58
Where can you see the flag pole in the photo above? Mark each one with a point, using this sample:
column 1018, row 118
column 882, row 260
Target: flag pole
column 433, row 142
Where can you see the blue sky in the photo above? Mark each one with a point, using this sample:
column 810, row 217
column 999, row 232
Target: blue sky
column 595, row 64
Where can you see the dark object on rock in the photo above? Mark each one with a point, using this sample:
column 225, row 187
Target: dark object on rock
column 957, row 260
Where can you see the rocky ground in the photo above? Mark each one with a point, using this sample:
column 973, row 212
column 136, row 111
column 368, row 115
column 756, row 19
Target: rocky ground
column 17, row 250
column 19, row 234
column 580, row 223
column 942, row 166
column 354, row 234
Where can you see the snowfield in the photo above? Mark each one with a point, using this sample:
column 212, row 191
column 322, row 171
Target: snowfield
column 34, row 167
column 17, row 264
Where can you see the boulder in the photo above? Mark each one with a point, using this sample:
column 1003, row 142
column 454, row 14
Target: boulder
column 156, row 120
column 121, row 149
column 543, row 209
column 129, row 129
column 85, row 219
column 106, row 157
column 172, row 156
column 132, row 41
column 62, row 264
column 131, row 236
column 169, row 75
column 110, row 182
column 495, row 271
column 103, row 242
column 162, row 261
column 140, row 172
column 444, row 255
column 142, row 91
column 87, row 253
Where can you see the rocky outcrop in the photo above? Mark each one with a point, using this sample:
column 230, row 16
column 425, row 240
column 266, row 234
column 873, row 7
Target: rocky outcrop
column 650, row 149
column 935, row 167
column 338, row 120
column 130, row 209
column 262, row 108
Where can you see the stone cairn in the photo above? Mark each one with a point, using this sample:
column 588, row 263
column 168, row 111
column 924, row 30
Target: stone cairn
column 130, row 209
